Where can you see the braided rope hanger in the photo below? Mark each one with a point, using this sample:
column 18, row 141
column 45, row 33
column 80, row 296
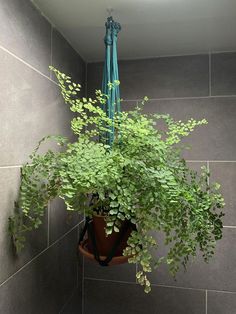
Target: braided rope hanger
column 111, row 75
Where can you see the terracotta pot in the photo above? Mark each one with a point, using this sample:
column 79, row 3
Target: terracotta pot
column 105, row 243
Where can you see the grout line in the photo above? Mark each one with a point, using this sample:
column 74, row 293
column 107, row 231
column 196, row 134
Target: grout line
column 136, row 270
column 16, row 166
column 43, row 251
column 27, row 64
column 182, row 98
column 68, row 300
column 160, row 285
column 206, row 302
column 209, row 74
column 208, row 170
column 51, row 32
column 110, row 280
column 200, row 53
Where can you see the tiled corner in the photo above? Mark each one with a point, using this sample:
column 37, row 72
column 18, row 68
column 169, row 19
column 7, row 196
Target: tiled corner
column 45, row 284
column 124, row 272
column 218, row 274
column 224, row 173
column 26, row 33
column 30, row 102
column 103, row 297
column 36, row 241
column 221, row 303
column 74, row 304
column 223, row 73
column 61, row 220
column 67, row 60
column 94, row 77
column 213, row 141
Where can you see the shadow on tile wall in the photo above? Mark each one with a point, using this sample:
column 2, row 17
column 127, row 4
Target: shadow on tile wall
column 44, row 276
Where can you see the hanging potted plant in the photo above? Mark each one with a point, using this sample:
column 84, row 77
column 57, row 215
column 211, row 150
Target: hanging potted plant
column 136, row 186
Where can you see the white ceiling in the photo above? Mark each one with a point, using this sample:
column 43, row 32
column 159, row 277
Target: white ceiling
column 150, row 28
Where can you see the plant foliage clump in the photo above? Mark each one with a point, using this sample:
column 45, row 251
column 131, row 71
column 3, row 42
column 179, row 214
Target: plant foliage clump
column 141, row 178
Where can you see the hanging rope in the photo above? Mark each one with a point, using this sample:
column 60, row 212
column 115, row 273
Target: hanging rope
column 111, row 76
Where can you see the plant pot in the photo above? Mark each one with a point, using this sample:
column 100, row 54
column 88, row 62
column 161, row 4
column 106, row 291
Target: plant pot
column 105, row 244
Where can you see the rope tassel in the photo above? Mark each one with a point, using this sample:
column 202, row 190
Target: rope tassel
column 111, row 76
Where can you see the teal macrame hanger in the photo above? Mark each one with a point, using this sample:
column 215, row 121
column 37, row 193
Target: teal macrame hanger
column 111, row 74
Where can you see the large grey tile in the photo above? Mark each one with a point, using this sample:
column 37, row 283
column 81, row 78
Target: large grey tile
column 223, row 76
column 158, row 77
column 26, row 33
column 103, row 297
column 214, row 141
column 36, row 241
column 123, row 272
column 61, row 220
column 218, row 274
column 221, row 303
column 67, row 60
column 74, row 306
column 31, row 108
column 45, row 284
column 225, row 174
column 94, row 77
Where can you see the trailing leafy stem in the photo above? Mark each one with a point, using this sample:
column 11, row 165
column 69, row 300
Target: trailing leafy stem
column 141, row 178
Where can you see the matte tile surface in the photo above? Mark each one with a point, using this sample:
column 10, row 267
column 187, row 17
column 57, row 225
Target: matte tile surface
column 219, row 274
column 61, row 220
column 26, row 33
column 30, row 102
column 74, row 305
column 225, row 174
column 67, row 60
column 123, row 272
column 45, row 284
column 214, row 141
column 158, row 77
column 221, row 303
column 36, row 241
column 223, row 76
column 103, row 297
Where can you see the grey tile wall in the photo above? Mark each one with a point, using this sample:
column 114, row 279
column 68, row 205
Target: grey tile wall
column 225, row 173
column 123, row 272
column 31, row 102
column 213, row 141
column 158, row 77
column 221, row 303
column 46, row 283
column 218, row 274
column 42, row 278
column 26, row 33
column 189, row 86
column 36, row 241
column 67, row 60
column 223, row 73
column 61, row 220
column 103, row 297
